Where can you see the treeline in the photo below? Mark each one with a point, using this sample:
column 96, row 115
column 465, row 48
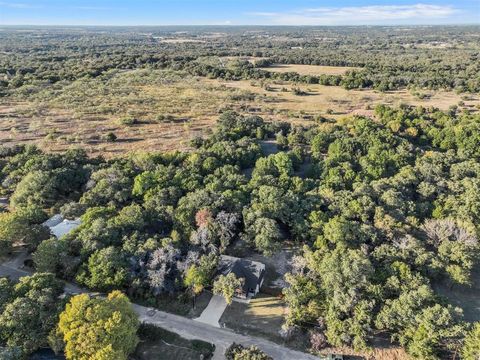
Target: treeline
column 386, row 58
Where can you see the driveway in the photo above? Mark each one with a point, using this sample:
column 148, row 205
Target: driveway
column 191, row 329
column 213, row 312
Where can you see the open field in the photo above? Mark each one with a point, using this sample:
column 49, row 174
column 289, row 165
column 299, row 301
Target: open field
column 170, row 108
column 280, row 100
column 309, row 69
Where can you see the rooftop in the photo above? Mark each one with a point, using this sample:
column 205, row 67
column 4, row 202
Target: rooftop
column 251, row 271
column 59, row 226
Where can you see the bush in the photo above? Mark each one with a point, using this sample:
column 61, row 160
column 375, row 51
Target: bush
column 165, row 118
column 128, row 121
column 239, row 352
column 109, row 137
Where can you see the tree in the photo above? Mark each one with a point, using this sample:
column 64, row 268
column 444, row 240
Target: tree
column 106, row 270
column 6, row 292
column 21, row 227
column 32, row 312
column 162, row 272
column 318, row 340
column 471, row 344
column 240, row 352
column 199, row 276
column 99, row 328
column 226, row 285
column 36, row 188
column 109, row 186
column 267, row 235
column 304, row 298
column 49, row 255
column 434, row 328
column 225, row 225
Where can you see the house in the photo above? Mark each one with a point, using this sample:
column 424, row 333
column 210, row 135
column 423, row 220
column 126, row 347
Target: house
column 59, row 226
column 252, row 274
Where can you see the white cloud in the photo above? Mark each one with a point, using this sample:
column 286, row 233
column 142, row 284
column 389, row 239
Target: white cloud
column 374, row 14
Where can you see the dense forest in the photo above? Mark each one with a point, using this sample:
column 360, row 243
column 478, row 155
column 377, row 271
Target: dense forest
column 384, row 58
column 382, row 208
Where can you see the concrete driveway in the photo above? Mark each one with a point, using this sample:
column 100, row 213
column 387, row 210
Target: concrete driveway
column 213, row 312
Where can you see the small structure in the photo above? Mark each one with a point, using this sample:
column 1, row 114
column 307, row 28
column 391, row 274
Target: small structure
column 251, row 272
column 3, row 203
column 59, row 226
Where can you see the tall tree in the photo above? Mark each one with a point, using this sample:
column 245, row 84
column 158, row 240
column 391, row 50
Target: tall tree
column 99, row 328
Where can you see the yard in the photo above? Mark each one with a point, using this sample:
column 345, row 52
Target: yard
column 262, row 317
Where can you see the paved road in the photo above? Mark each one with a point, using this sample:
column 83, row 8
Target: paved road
column 191, row 329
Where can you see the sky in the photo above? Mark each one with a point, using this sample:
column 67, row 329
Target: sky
column 238, row 12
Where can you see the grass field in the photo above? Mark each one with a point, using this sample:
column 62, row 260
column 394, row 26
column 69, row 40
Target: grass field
column 309, row 69
column 170, row 108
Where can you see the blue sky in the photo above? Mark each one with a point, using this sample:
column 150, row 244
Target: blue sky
column 238, row 12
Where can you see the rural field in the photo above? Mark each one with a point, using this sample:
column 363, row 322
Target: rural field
column 169, row 108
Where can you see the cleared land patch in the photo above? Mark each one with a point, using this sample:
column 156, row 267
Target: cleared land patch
column 309, row 69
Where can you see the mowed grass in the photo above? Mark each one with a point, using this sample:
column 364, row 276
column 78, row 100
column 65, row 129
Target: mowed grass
column 263, row 316
column 83, row 113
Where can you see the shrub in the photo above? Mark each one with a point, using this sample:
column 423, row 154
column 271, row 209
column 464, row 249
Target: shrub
column 127, row 121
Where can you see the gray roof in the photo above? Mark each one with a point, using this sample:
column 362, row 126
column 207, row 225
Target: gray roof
column 251, row 271
column 59, row 226
column 53, row 221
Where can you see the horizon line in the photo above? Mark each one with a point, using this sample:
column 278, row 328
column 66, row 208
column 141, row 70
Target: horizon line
column 239, row 25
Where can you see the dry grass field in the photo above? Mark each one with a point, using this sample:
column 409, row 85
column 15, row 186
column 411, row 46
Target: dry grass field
column 170, row 108
column 280, row 99
column 309, row 69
